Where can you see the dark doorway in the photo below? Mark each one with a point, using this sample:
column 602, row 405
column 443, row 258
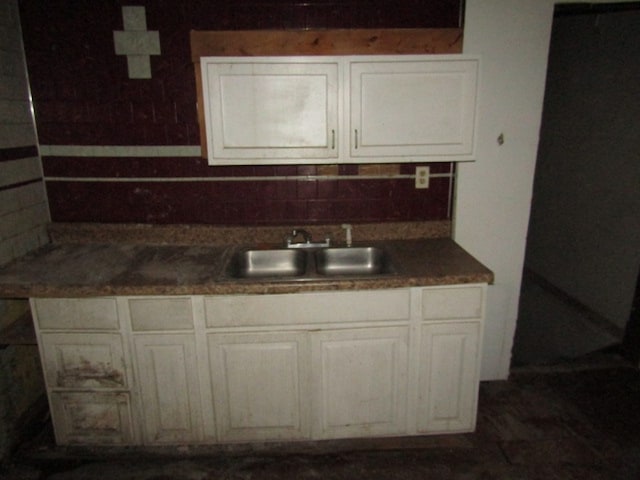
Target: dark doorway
column 583, row 245
column 631, row 341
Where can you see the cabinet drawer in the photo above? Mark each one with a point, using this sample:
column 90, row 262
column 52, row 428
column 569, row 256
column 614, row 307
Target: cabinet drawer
column 92, row 418
column 83, row 360
column 452, row 302
column 307, row 308
column 76, row 314
column 161, row 314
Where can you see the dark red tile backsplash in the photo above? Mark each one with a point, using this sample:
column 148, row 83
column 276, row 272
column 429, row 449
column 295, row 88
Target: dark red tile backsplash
column 244, row 202
column 82, row 96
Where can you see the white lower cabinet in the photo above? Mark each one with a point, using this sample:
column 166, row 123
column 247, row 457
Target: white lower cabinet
column 318, row 384
column 448, row 377
column 241, row 368
column 86, row 370
column 168, row 387
column 260, row 384
column 84, row 360
column 359, row 382
column 92, row 417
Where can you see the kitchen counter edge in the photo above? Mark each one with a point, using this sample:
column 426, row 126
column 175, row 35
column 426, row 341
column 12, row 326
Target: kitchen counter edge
column 88, row 270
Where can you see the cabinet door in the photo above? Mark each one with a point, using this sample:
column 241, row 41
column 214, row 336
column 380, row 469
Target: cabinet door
column 83, row 360
column 260, row 385
column 168, row 380
column 413, row 107
column 359, row 382
column 270, row 108
column 448, row 377
column 91, row 418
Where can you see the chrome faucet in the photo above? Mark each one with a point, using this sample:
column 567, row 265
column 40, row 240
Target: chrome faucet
column 307, row 240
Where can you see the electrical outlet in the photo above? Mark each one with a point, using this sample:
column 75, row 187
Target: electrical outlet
column 422, row 177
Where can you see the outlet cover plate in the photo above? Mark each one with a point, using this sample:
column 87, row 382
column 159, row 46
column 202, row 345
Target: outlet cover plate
column 422, row 177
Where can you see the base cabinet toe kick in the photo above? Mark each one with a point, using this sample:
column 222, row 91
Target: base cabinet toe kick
column 168, row 370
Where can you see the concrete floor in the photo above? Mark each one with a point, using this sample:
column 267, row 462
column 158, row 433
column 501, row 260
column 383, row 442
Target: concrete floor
column 575, row 420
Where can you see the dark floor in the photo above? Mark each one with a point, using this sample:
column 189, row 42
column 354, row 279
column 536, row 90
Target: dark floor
column 577, row 420
column 553, row 326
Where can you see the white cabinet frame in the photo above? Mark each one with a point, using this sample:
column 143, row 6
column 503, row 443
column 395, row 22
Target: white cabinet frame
column 413, row 107
column 359, row 382
column 169, row 387
column 271, row 109
column 242, row 368
column 261, row 385
column 340, row 109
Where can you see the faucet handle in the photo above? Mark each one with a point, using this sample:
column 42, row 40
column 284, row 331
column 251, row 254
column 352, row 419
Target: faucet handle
column 306, row 236
column 347, row 227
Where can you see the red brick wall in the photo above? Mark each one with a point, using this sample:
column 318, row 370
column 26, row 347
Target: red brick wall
column 82, row 96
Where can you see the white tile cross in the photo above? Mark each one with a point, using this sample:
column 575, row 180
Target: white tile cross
column 136, row 42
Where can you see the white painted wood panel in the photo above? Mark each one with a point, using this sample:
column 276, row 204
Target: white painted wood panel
column 90, row 418
column 83, row 360
column 260, row 385
column 270, row 107
column 263, row 367
column 413, row 107
column 77, row 313
column 448, row 377
column 168, row 383
column 344, row 109
column 453, row 303
column 359, row 382
column 165, row 313
column 307, row 308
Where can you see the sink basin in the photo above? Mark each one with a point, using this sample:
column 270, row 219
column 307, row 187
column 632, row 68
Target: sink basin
column 268, row 263
column 297, row 264
column 353, row 261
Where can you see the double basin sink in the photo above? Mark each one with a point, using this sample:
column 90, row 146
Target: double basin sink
column 294, row 264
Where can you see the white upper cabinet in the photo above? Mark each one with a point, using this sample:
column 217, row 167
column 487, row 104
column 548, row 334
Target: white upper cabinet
column 418, row 107
column 263, row 109
column 346, row 109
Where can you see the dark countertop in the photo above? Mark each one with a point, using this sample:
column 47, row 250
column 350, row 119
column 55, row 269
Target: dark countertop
column 78, row 270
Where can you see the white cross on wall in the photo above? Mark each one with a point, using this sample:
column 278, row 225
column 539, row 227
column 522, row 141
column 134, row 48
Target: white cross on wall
column 136, row 42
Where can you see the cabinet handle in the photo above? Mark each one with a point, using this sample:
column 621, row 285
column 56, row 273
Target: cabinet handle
column 356, row 146
column 333, row 139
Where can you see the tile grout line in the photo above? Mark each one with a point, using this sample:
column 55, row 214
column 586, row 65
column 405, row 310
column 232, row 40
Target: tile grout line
column 241, row 179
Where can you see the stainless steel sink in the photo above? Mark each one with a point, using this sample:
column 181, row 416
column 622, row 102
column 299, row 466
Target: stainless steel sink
column 268, row 263
column 353, row 261
column 299, row 264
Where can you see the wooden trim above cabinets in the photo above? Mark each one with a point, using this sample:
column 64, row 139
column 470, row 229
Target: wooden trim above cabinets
column 406, row 41
column 325, row 42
